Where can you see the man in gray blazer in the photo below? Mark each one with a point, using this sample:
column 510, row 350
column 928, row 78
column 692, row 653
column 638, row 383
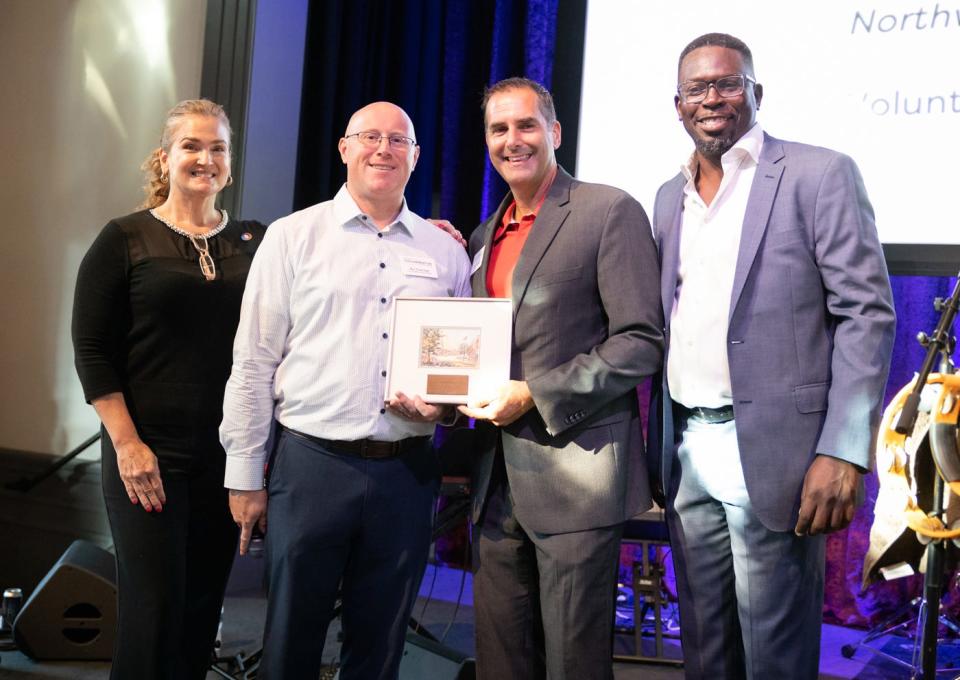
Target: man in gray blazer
column 562, row 461
column 780, row 329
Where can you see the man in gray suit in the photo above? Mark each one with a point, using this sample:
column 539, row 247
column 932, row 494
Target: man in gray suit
column 562, row 462
column 780, row 328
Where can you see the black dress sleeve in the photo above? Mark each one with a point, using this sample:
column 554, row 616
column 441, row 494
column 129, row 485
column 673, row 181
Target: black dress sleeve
column 101, row 314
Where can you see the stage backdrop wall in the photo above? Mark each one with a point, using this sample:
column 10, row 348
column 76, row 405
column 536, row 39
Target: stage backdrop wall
column 85, row 87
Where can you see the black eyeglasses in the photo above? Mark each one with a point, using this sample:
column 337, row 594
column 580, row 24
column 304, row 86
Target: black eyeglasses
column 694, row 91
column 372, row 139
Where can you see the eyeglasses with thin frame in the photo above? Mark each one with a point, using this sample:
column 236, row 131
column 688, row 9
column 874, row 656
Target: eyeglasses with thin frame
column 372, row 139
column 207, row 265
column 695, row 91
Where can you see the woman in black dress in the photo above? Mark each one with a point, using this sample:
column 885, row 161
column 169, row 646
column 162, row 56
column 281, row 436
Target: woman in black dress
column 156, row 308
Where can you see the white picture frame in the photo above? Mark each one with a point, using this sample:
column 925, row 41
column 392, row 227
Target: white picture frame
column 449, row 350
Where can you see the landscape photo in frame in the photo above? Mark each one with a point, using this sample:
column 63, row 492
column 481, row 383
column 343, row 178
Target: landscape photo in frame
column 449, row 346
column 448, row 350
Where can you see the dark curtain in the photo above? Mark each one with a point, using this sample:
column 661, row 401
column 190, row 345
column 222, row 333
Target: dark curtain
column 434, row 58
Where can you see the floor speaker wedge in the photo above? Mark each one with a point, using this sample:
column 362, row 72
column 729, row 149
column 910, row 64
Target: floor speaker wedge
column 72, row 613
column 424, row 658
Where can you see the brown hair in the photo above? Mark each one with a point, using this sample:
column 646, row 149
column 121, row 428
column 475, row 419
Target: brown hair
column 157, row 185
column 544, row 98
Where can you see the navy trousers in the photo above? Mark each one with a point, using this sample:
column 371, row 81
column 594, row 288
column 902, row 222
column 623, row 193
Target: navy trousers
column 342, row 523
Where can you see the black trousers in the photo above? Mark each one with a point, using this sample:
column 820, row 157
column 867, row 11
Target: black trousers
column 172, row 569
column 338, row 522
column 543, row 603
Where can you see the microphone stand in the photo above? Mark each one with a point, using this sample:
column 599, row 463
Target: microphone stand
column 25, row 484
column 941, row 343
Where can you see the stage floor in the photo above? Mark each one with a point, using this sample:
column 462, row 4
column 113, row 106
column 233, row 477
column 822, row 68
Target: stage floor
column 437, row 610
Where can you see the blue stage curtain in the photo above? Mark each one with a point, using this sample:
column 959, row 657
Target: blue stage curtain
column 537, row 24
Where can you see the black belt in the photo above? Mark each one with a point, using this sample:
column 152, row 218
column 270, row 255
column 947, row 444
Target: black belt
column 704, row 414
column 365, row 448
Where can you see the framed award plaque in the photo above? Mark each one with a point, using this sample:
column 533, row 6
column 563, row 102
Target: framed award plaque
column 449, row 350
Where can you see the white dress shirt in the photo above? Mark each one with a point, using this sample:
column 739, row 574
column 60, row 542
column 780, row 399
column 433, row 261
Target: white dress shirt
column 311, row 348
column 698, row 371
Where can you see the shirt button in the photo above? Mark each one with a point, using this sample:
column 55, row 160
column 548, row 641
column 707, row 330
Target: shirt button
column 384, row 336
column 383, row 410
column 383, row 300
column 379, row 235
column 382, row 265
column 363, row 217
column 383, row 373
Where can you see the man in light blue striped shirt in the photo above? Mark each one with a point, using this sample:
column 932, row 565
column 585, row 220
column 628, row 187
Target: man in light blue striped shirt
column 352, row 480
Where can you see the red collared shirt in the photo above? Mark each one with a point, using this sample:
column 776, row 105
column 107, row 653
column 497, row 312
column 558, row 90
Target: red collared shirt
column 507, row 244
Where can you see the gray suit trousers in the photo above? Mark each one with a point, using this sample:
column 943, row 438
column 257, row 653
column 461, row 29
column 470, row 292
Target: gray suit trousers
column 543, row 603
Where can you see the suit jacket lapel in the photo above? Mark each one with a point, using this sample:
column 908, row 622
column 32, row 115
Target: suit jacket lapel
column 669, row 244
column 762, row 194
column 479, row 279
column 551, row 217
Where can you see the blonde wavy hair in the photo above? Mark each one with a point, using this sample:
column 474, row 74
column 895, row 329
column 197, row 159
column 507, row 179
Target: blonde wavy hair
column 157, row 184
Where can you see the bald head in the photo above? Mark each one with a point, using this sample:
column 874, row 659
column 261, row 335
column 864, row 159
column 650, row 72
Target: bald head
column 374, row 116
column 380, row 151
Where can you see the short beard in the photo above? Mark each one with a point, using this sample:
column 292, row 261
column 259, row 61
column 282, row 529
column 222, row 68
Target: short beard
column 714, row 147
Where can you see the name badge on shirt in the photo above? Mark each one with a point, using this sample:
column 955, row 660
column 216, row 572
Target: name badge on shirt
column 477, row 261
column 419, row 266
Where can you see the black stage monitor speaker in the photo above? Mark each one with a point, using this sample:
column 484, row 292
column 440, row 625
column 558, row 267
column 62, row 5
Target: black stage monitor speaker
column 425, row 659
column 72, row 613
